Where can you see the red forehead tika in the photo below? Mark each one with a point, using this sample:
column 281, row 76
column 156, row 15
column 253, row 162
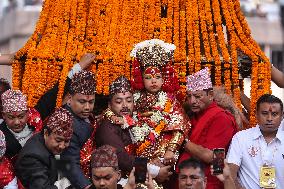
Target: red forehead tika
column 152, row 70
column 270, row 108
column 14, row 113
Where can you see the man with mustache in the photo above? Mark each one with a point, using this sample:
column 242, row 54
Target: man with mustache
column 212, row 126
column 35, row 166
column 111, row 132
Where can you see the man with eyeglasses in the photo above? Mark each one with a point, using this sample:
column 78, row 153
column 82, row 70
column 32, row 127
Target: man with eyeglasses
column 192, row 176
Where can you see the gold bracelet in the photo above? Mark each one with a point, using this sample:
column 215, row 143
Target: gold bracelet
column 177, row 138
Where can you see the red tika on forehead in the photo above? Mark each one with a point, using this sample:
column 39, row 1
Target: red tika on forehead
column 152, row 70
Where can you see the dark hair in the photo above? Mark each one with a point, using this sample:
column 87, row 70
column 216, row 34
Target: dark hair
column 45, row 128
column 5, row 84
column 192, row 163
column 269, row 99
column 208, row 90
column 101, row 103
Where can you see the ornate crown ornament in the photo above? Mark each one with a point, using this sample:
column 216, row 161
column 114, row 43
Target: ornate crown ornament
column 154, row 52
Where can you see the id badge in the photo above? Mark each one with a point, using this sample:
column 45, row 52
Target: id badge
column 267, row 177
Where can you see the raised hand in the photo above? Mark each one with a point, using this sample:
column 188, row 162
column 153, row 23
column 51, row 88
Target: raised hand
column 86, row 60
column 169, row 158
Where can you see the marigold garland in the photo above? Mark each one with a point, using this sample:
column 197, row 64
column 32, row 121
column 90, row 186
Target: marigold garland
column 204, row 31
column 147, row 143
column 170, row 12
column 182, row 68
column 66, row 29
column 168, row 106
column 190, row 48
column 223, row 48
column 176, row 33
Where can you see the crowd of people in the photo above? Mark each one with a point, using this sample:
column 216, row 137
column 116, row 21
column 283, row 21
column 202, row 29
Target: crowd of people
column 70, row 147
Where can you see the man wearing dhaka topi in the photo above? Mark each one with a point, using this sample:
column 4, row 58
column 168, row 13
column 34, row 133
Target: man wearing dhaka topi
column 36, row 164
column 16, row 127
column 212, row 126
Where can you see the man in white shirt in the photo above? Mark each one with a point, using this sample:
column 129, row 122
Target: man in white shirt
column 256, row 153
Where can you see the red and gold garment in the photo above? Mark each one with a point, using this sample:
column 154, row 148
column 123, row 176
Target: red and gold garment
column 161, row 123
column 7, row 172
column 86, row 153
column 34, row 120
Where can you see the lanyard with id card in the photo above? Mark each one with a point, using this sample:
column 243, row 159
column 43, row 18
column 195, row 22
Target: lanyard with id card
column 267, row 177
column 267, row 174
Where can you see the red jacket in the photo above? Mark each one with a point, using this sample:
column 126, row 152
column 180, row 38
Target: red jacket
column 213, row 128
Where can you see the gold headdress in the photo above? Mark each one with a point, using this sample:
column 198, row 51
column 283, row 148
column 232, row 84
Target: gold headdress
column 154, row 52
